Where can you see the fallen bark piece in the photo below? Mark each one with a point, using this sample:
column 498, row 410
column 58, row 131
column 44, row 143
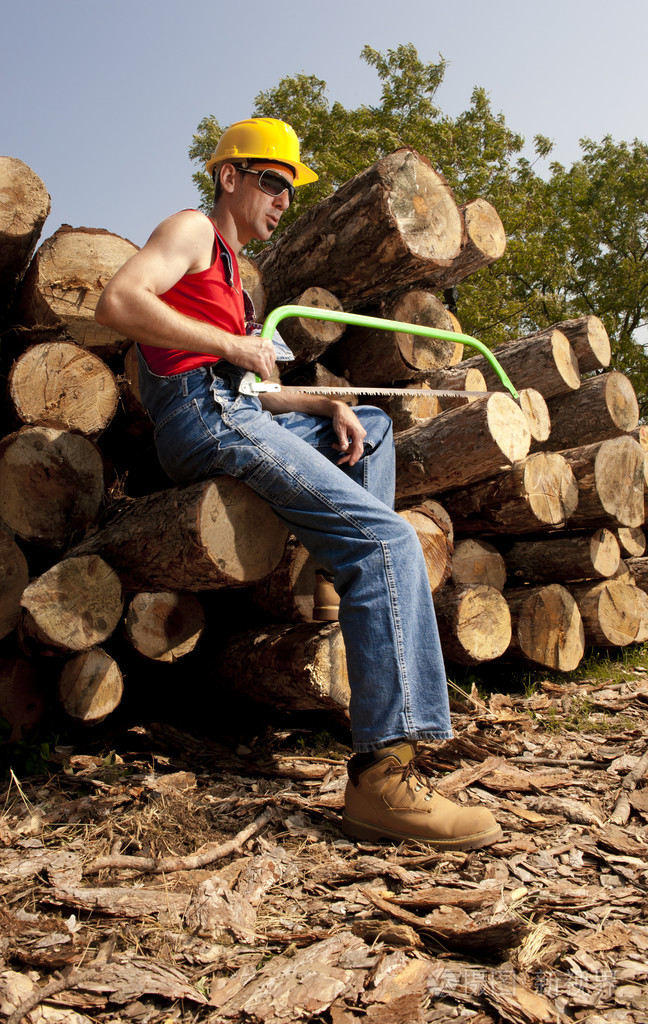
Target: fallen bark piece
column 562, row 558
column 59, row 384
column 546, row 626
column 164, row 625
column 51, row 484
column 208, row 535
column 66, row 278
column 24, row 208
column 520, row 1004
column 474, row 623
column 461, row 446
column 610, row 478
column 90, row 686
column 536, row 493
column 299, row 667
column 388, row 227
column 302, row 986
column 14, row 577
column 73, row 606
column 218, row 913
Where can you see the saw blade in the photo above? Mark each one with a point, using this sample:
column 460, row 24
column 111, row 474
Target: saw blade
column 334, row 390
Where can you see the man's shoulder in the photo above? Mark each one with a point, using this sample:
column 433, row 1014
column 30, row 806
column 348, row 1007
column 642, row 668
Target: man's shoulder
column 187, row 222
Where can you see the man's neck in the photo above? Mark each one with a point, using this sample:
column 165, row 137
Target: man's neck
column 226, row 227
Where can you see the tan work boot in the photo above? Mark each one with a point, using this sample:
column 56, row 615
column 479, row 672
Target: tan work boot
column 326, row 603
column 392, row 797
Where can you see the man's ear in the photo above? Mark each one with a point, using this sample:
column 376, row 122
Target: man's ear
column 227, row 175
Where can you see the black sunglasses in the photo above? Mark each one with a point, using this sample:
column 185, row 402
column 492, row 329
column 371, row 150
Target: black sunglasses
column 271, row 183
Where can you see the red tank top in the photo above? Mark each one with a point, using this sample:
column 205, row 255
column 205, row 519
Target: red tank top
column 214, row 295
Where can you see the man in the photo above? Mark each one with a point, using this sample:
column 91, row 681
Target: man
column 325, row 469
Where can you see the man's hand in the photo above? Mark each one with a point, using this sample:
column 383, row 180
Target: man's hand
column 350, row 434
column 251, row 353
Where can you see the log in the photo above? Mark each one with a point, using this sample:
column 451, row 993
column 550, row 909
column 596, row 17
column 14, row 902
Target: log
column 66, row 277
column 318, row 375
column 60, row 384
column 610, row 478
column 476, row 561
column 306, row 338
column 90, row 686
column 605, row 406
column 375, row 357
column 614, row 613
column 456, row 378
column 441, row 517
column 286, row 594
column 461, row 446
column 544, row 361
column 24, row 208
column 546, row 627
column 51, row 484
column 164, row 625
column 388, row 227
column 71, row 607
column 253, row 285
column 203, row 536
column 632, row 541
column 433, row 537
column 484, row 242
column 14, row 577
column 536, row 411
column 561, row 558
column 23, row 696
column 589, row 340
column 536, row 493
column 474, row 623
column 298, row 667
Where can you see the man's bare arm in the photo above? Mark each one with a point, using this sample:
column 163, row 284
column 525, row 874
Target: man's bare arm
column 130, row 302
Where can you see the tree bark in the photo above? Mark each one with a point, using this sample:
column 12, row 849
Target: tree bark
column 414, row 408
column 306, row 338
column 476, row 561
column 390, row 226
column 164, row 625
column 638, row 568
column 286, row 594
column 560, row 558
column 66, row 278
column 51, row 484
column 461, row 446
column 604, row 406
column 545, row 361
column 537, row 493
column 90, row 686
column 375, row 357
column 24, row 208
column 456, row 378
column 546, row 627
column 610, row 478
column 14, row 577
column 212, row 534
column 73, row 606
column 296, row 667
column 61, row 385
column 474, row 623
column 614, row 613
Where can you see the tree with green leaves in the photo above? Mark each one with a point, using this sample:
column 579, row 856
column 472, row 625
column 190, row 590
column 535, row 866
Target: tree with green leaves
column 577, row 238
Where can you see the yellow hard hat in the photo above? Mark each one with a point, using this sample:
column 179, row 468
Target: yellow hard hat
column 262, row 138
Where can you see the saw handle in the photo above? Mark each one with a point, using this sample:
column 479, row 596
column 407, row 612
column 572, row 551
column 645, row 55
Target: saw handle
column 357, row 319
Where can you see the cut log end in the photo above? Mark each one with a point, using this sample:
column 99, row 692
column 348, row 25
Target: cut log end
column 90, row 686
column 547, row 627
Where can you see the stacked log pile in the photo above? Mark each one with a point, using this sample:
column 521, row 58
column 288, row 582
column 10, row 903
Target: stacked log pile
column 524, row 509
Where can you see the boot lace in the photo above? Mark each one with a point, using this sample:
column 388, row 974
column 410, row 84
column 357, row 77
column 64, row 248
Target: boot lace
column 420, row 770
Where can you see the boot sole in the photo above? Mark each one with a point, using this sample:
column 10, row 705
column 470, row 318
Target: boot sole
column 362, row 830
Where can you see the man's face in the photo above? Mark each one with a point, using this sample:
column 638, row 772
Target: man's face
column 257, row 212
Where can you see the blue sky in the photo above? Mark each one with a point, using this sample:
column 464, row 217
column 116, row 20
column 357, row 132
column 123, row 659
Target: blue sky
column 102, row 99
